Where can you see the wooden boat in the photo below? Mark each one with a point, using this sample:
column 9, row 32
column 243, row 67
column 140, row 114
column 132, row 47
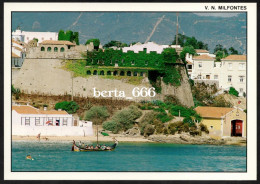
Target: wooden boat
column 78, row 149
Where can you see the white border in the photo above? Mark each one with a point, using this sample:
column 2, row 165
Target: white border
column 187, row 7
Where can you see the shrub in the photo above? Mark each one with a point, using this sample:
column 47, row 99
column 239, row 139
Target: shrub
column 148, row 130
column 97, row 114
column 204, row 128
column 159, row 126
column 233, row 91
column 172, row 128
column 112, row 126
column 245, row 111
column 172, row 99
column 127, row 117
column 219, row 101
column 71, row 107
column 194, row 131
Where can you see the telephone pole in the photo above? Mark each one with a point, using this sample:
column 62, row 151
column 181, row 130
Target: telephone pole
column 177, row 14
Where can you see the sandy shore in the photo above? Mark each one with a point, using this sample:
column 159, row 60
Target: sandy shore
column 80, row 138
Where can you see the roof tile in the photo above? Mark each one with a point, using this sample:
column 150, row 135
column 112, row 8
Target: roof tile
column 212, row 112
column 203, row 56
column 235, row 57
column 56, row 42
column 26, row 109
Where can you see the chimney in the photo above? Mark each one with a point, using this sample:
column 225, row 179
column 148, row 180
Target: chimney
column 45, row 108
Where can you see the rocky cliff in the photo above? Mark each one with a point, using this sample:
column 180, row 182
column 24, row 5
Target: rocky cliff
column 47, row 76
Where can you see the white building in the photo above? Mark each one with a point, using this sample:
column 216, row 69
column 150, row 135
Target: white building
column 149, row 47
column 233, row 73
column 26, row 36
column 27, row 120
column 230, row 72
column 18, row 54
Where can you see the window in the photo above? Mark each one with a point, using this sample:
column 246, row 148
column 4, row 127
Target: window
column 42, row 48
column 49, row 49
column 128, row 73
column 55, row 49
column 132, row 62
column 141, row 74
column 241, row 78
column 65, row 122
column 241, row 90
column 95, row 72
column 207, row 76
column 215, row 65
column 199, row 76
column 215, row 77
column 135, row 73
column 102, row 72
column 211, row 127
column 241, row 66
column 189, row 67
column 200, row 65
column 229, row 78
column 145, row 49
column 146, row 62
column 37, row 121
column 27, row 121
column 108, row 72
column 62, row 49
column 88, row 72
column 122, row 73
column 229, row 66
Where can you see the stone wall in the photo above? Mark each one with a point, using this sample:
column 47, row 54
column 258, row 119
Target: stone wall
column 46, row 76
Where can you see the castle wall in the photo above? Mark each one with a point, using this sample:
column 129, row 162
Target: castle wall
column 47, row 76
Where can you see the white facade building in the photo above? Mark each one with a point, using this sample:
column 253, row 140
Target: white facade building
column 149, row 47
column 230, row 72
column 233, row 73
column 27, row 120
column 18, row 54
column 26, row 36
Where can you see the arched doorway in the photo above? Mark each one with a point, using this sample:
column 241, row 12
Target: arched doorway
column 236, row 127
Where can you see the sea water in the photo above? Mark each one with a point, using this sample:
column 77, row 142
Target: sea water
column 57, row 156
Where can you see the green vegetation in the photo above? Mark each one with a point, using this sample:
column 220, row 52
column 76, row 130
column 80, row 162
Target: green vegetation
column 222, row 52
column 71, row 107
column 16, row 92
column 69, row 36
column 123, row 120
column 96, row 42
column 233, row 91
column 187, row 49
column 114, row 43
column 97, row 114
column 184, row 40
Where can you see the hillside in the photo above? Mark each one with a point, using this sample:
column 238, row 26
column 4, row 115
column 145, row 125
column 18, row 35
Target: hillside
column 134, row 27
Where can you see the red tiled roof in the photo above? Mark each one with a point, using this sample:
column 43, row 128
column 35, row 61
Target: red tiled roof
column 235, row 57
column 203, row 56
column 212, row 112
column 25, row 109
column 201, row 51
column 55, row 42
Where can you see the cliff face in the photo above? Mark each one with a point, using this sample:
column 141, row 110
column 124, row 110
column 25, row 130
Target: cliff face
column 46, row 76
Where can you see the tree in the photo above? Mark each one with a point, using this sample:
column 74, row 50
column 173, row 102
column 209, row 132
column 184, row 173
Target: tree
column 76, row 37
column 185, row 50
column 170, row 55
column 97, row 114
column 233, row 51
column 61, row 35
column 184, row 40
column 114, row 43
column 71, row 107
column 220, row 52
column 96, row 42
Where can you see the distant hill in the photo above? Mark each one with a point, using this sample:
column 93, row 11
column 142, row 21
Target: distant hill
column 133, row 27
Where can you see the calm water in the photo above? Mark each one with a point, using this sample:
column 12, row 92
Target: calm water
column 53, row 156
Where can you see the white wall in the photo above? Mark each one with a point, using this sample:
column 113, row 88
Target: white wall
column 235, row 71
column 51, row 131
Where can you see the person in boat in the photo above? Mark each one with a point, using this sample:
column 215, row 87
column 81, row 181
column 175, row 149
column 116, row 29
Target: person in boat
column 91, row 147
column 115, row 144
column 83, row 145
column 79, row 143
column 103, row 147
column 29, row 157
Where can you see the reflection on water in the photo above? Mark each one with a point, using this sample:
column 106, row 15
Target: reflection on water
column 57, row 156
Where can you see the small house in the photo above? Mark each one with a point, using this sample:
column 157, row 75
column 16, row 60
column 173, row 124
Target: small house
column 223, row 122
